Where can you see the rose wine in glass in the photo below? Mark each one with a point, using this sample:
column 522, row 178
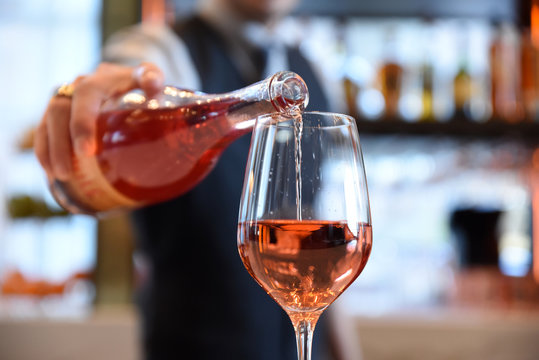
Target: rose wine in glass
column 304, row 230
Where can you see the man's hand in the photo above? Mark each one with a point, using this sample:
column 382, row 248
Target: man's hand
column 69, row 123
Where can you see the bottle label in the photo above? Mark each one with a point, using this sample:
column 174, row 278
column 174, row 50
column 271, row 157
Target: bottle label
column 91, row 186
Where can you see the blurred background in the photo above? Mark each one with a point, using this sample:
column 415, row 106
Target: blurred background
column 446, row 94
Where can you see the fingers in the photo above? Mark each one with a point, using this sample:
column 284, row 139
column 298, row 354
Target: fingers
column 91, row 92
column 69, row 124
column 41, row 145
column 59, row 140
column 52, row 142
column 86, row 103
column 149, row 78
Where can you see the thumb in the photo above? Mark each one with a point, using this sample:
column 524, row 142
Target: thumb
column 149, row 78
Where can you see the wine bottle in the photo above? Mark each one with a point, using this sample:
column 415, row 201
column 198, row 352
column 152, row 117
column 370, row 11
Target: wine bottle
column 154, row 149
column 390, row 76
column 427, row 95
column 462, row 93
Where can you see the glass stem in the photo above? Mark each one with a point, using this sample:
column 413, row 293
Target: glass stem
column 304, row 337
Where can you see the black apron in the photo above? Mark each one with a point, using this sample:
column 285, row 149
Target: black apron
column 200, row 302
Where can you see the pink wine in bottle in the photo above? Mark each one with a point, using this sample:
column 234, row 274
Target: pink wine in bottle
column 151, row 150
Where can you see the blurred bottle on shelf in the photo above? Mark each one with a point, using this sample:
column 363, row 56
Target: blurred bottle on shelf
column 350, row 85
column 351, row 92
column 390, row 79
column 505, row 75
column 390, row 76
column 528, row 82
column 427, row 73
column 427, row 96
column 462, row 81
column 462, row 93
column 356, row 76
column 496, row 70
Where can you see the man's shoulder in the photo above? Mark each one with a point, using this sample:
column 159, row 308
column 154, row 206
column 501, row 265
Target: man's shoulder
column 156, row 43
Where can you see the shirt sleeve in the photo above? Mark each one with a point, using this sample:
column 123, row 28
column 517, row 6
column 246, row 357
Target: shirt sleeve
column 157, row 44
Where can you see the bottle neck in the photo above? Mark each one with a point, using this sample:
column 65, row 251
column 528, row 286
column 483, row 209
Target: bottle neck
column 284, row 92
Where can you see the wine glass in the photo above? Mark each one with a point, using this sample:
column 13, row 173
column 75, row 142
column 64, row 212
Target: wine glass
column 304, row 230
